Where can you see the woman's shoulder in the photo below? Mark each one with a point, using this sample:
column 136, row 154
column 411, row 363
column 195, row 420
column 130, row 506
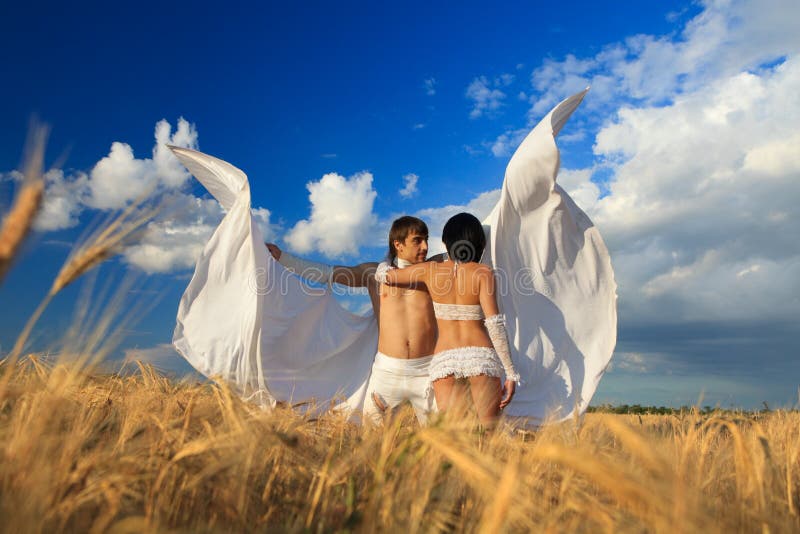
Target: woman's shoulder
column 482, row 273
column 478, row 267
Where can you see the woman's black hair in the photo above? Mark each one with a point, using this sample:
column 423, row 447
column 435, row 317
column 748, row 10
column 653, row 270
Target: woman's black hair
column 464, row 238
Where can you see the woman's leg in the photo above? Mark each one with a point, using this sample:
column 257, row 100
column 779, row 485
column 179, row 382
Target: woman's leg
column 451, row 395
column 487, row 392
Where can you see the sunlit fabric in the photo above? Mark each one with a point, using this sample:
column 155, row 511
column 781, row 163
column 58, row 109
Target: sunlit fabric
column 557, row 286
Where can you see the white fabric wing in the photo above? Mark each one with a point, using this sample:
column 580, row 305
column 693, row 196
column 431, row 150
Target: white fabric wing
column 556, row 283
column 247, row 320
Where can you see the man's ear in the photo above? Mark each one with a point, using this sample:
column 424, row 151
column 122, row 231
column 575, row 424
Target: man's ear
column 397, row 243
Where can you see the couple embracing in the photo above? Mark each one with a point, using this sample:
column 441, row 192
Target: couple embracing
column 441, row 340
column 436, row 322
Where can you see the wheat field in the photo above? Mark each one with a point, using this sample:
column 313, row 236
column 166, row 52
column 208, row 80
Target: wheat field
column 90, row 452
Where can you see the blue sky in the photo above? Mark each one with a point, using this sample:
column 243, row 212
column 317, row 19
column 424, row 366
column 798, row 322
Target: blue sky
column 685, row 153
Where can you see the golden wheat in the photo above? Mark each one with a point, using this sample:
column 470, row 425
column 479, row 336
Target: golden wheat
column 19, row 220
column 89, row 452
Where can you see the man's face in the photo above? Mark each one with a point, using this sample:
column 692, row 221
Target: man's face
column 414, row 249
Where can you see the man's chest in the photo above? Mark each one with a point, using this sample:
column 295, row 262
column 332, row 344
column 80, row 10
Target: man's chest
column 392, row 296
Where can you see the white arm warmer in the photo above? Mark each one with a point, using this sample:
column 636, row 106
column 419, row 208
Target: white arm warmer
column 310, row 270
column 496, row 326
column 382, row 271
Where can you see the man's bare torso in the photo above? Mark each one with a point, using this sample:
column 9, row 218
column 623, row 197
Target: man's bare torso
column 406, row 324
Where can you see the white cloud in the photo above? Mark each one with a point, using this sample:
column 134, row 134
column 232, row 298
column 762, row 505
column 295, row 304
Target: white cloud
column 486, row 98
column 168, row 169
column 725, row 39
column 472, row 150
column 63, row 200
column 632, row 362
column 175, row 240
column 751, row 269
column 555, row 79
column 504, row 80
column 269, row 230
column 115, row 180
column 703, row 201
column 578, row 184
column 14, row 176
column 430, row 86
column 120, row 177
column 580, row 135
column 777, row 157
column 506, row 143
column 341, row 214
column 410, row 185
column 480, row 206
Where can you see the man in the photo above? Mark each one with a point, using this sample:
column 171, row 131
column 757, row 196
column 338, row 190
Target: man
column 406, row 324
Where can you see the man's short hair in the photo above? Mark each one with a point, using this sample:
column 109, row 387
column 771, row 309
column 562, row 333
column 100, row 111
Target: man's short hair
column 400, row 230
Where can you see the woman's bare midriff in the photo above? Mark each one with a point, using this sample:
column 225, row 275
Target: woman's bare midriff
column 457, row 334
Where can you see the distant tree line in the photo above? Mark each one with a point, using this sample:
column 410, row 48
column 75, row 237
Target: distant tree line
column 664, row 410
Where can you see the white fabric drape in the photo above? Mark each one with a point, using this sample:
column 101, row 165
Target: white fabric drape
column 556, row 283
column 247, row 320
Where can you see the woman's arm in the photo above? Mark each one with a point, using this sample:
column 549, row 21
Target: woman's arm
column 412, row 275
column 486, row 291
column 496, row 327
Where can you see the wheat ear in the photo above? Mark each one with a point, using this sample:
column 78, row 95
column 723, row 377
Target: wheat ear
column 20, row 219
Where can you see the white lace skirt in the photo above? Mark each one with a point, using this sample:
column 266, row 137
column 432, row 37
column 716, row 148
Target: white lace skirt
column 464, row 362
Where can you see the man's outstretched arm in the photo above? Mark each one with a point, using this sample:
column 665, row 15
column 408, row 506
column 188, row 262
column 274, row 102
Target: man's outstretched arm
column 361, row 275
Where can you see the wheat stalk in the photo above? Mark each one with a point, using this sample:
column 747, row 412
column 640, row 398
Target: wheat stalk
column 106, row 242
column 26, row 206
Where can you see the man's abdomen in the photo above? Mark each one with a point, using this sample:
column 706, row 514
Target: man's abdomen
column 408, row 346
column 407, row 329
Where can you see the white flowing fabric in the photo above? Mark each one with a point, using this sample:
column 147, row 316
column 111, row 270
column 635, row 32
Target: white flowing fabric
column 556, row 284
column 247, row 320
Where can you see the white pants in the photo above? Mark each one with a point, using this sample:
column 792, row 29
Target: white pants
column 395, row 380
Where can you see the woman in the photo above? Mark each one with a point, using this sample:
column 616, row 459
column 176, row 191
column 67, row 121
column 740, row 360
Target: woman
column 472, row 346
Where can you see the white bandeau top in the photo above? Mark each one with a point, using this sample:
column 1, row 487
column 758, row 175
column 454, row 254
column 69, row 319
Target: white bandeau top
column 458, row 312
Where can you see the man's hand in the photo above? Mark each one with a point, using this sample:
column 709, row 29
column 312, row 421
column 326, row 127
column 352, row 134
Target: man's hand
column 274, row 250
column 508, row 393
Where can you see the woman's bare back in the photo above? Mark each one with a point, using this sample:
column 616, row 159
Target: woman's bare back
column 463, row 284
